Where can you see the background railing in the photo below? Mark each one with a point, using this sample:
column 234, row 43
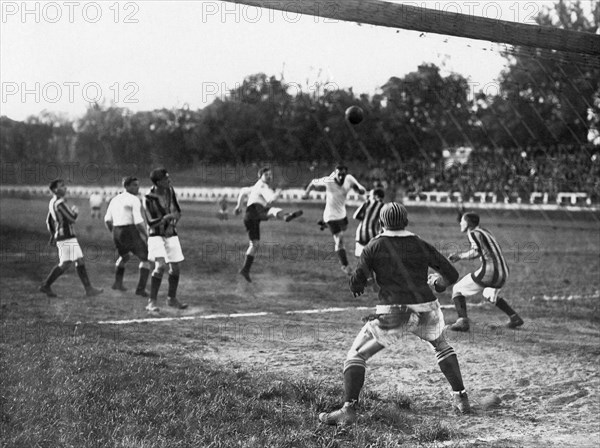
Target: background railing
column 564, row 200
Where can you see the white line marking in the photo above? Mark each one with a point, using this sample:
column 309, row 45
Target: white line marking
column 595, row 295
column 329, row 310
column 228, row 316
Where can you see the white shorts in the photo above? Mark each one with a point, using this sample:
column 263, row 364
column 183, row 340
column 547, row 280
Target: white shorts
column 68, row 250
column 424, row 320
column 467, row 287
column 167, row 248
column 358, row 249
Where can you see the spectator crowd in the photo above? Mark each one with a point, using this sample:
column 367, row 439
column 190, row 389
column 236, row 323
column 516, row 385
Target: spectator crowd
column 510, row 174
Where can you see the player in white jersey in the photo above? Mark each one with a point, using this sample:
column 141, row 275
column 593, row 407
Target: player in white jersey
column 124, row 219
column 336, row 187
column 488, row 279
column 258, row 208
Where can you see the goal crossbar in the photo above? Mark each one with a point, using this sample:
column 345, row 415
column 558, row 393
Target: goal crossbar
column 383, row 13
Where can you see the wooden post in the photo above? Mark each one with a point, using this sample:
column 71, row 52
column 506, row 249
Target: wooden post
column 382, row 13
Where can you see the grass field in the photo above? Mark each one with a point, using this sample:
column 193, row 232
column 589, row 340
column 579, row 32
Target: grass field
column 261, row 381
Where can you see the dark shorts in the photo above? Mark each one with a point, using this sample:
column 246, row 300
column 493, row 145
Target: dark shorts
column 337, row 225
column 128, row 239
column 255, row 213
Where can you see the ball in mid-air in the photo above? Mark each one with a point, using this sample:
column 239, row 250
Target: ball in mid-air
column 354, row 114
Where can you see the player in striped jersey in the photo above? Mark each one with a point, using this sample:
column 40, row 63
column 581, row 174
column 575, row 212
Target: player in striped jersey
column 368, row 214
column 488, row 279
column 336, row 185
column 60, row 222
column 162, row 214
column 400, row 260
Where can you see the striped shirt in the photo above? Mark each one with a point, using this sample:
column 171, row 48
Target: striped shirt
column 60, row 219
column 494, row 270
column 158, row 206
column 369, row 225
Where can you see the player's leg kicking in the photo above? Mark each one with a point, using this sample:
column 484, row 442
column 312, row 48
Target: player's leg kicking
column 252, row 224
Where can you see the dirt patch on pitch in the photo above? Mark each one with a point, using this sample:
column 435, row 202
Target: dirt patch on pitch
column 548, row 390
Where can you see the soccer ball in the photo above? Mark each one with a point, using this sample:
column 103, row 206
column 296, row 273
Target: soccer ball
column 431, row 279
column 354, row 114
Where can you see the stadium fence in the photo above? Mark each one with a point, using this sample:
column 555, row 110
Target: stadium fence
column 572, row 201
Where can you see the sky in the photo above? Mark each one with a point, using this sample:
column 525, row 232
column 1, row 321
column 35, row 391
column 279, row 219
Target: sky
column 145, row 55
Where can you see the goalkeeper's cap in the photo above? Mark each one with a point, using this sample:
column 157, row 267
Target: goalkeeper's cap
column 393, row 216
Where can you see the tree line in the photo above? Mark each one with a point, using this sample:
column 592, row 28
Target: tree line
column 543, row 99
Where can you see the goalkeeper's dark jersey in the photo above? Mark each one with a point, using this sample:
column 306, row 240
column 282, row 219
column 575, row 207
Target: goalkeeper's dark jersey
column 400, row 261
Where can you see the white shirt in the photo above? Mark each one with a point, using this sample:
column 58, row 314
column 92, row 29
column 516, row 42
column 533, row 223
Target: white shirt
column 335, row 195
column 124, row 209
column 260, row 193
column 95, row 200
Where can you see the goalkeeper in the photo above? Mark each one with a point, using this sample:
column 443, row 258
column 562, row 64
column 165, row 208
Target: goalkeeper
column 400, row 260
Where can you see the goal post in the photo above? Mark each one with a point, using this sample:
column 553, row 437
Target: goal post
column 405, row 16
